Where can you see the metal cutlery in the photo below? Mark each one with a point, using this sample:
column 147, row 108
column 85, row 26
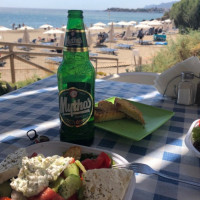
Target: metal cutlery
column 146, row 169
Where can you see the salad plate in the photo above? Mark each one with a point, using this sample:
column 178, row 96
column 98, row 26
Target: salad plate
column 58, row 148
column 154, row 118
column 189, row 139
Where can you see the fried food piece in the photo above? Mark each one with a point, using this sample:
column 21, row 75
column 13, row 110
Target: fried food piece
column 102, row 116
column 106, row 106
column 129, row 109
column 74, row 152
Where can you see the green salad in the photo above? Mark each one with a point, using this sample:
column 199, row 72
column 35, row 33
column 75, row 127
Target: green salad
column 196, row 137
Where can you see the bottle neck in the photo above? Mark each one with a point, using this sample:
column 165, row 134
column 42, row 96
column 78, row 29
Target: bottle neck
column 75, row 38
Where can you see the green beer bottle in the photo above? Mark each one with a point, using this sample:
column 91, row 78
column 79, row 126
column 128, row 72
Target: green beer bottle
column 76, row 83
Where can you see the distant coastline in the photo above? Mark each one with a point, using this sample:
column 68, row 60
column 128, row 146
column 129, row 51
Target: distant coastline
column 146, row 10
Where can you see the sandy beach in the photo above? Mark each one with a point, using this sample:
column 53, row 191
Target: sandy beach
column 105, row 67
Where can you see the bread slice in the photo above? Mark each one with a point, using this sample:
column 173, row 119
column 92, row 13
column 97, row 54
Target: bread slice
column 106, row 106
column 102, row 116
column 129, row 109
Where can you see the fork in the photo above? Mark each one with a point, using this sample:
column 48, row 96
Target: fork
column 146, row 169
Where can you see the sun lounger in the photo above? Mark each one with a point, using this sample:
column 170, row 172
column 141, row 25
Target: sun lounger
column 48, row 43
column 145, row 42
column 108, row 51
column 160, row 43
column 56, row 60
column 124, row 46
column 93, row 54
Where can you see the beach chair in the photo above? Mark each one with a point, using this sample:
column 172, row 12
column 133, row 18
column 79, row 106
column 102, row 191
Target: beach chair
column 19, row 40
column 2, row 63
column 159, row 38
column 34, row 41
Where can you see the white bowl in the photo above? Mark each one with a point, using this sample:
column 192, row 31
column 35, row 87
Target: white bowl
column 189, row 140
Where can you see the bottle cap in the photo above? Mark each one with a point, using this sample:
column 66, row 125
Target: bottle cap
column 75, row 13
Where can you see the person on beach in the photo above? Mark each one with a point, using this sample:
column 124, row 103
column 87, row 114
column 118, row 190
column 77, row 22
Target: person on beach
column 140, row 36
column 13, row 26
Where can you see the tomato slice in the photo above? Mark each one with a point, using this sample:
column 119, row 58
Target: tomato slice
column 47, row 194
column 106, row 158
column 102, row 161
column 89, row 163
column 5, row 198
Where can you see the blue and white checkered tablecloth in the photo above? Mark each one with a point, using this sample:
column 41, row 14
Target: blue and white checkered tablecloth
column 36, row 106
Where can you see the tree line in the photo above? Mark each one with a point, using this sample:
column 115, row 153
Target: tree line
column 186, row 14
column 159, row 10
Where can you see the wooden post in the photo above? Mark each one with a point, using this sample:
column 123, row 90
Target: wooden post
column 135, row 60
column 140, row 63
column 96, row 64
column 12, row 64
column 117, row 67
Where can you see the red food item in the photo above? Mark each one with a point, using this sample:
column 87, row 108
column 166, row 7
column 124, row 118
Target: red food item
column 73, row 197
column 72, row 161
column 33, row 155
column 5, row 198
column 47, row 194
column 102, row 161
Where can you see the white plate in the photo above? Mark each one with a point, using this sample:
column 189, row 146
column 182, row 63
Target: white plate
column 189, row 141
column 57, row 148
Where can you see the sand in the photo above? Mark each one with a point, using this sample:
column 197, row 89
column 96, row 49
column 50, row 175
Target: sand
column 105, row 67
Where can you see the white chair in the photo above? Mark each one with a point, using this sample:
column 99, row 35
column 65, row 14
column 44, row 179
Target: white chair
column 134, row 77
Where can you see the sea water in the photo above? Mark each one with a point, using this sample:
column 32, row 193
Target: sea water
column 58, row 17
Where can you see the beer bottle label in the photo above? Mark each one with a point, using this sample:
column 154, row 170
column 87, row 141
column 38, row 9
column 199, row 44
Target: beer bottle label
column 76, row 107
column 75, row 41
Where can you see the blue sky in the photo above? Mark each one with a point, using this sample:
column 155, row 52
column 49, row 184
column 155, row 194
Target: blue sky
column 79, row 4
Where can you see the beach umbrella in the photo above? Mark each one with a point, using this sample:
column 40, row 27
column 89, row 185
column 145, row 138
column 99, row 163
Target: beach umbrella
column 132, row 22
column 26, row 27
column 54, row 31
column 96, row 28
column 100, row 24
column 110, row 23
column 128, row 33
column 26, row 37
column 123, row 23
column 155, row 23
column 173, row 24
column 144, row 26
column 46, row 26
column 64, row 27
column 62, row 39
column 165, row 26
column 144, row 22
column 89, row 39
column 111, row 34
column 3, row 28
column 168, row 21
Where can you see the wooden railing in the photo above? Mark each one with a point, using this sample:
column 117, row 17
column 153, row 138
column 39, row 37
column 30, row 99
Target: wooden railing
column 12, row 54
